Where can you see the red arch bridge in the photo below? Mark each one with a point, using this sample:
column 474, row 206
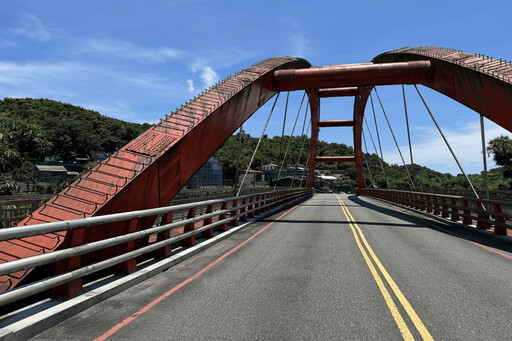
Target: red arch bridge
column 383, row 264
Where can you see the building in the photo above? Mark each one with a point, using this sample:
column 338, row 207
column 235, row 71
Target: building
column 51, row 174
column 209, row 175
column 270, row 167
column 254, row 178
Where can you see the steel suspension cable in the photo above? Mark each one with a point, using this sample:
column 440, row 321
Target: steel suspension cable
column 290, row 140
column 447, row 144
column 377, row 153
column 284, row 124
column 304, row 171
column 302, row 144
column 482, row 133
column 394, row 139
column 364, row 157
column 378, row 138
column 407, row 122
column 257, row 146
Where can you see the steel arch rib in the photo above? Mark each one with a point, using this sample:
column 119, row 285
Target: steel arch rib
column 481, row 83
column 151, row 169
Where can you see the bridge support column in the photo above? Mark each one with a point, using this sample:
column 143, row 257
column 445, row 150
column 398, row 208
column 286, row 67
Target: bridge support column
column 314, row 105
column 359, row 106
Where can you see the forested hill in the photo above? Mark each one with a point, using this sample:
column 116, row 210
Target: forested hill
column 33, row 128
column 64, row 130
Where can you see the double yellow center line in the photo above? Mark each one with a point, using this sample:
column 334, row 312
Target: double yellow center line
column 359, row 236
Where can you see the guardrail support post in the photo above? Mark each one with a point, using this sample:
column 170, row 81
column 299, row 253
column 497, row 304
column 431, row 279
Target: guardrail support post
column 166, row 250
column 75, row 286
column 429, row 203
column 482, row 224
column 467, row 213
column 223, row 227
column 234, row 222
column 416, row 201
column 436, row 206
column 258, row 211
column 244, row 209
column 190, row 241
column 445, row 213
column 130, row 265
column 499, row 230
column 455, row 211
column 208, row 233
column 250, row 208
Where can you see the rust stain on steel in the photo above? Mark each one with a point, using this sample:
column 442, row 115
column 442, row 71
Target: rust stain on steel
column 151, row 169
column 481, row 83
column 412, row 72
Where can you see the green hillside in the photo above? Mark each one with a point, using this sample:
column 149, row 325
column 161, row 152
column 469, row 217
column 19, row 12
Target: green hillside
column 33, row 128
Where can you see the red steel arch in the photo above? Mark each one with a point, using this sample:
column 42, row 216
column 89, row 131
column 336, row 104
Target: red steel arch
column 149, row 171
column 481, row 83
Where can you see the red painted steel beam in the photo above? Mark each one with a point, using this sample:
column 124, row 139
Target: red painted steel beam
column 338, row 92
column 336, row 123
column 481, row 83
column 335, row 159
column 314, row 104
column 146, row 173
column 352, row 75
column 359, row 106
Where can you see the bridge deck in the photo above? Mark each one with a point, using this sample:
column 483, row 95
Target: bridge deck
column 304, row 277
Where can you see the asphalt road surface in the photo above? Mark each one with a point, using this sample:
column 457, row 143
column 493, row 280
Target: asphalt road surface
column 336, row 267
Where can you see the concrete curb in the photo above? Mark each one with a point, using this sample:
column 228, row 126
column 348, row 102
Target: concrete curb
column 32, row 325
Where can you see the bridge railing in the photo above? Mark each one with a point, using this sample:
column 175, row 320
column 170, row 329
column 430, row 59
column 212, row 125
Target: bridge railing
column 13, row 209
column 468, row 210
column 218, row 215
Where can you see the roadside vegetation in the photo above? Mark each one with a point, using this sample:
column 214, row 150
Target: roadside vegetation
column 33, row 128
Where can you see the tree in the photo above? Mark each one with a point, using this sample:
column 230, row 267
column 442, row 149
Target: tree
column 501, row 149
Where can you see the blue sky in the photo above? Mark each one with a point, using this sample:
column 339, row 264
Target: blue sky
column 137, row 60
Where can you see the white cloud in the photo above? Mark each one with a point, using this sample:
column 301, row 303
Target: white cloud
column 209, row 76
column 33, row 28
column 300, row 45
column 190, row 83
column 433, row 152
column 123, row 50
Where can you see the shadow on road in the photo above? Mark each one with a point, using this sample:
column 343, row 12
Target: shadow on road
column 454, row 229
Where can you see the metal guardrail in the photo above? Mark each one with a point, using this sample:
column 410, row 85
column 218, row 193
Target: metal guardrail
column 219, row 218
column 486, row 213
column 13, row 209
